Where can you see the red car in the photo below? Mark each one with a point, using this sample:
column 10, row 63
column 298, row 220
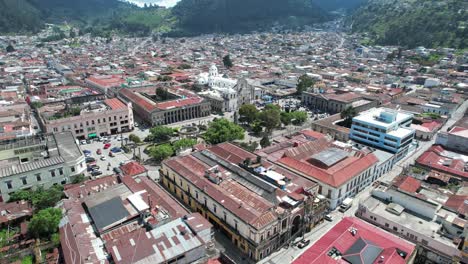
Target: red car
column 107, row 145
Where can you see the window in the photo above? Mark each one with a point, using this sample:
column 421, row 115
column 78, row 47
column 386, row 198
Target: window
column 214, row 208
column 235, row 224
column 196, row 194
column 205, row 202
column 61, row 171
column 395, row 228
column 8, row 184
column 23, row 179
column 387, row 225
column 225, row 217
column 55, row 129
column 72, row 169
column 38, row 177
column 52, row 173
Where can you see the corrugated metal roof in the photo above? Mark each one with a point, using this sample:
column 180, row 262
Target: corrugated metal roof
column 26, row 167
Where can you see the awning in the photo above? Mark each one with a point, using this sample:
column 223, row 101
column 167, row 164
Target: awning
column 92, row 135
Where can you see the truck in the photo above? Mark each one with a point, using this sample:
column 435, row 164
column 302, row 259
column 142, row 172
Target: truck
column 346, row 204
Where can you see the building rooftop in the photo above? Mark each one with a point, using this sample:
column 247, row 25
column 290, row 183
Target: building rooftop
column 357, row 242
column 158, row 245
column 47, row 150
column 332, row 167
column 443, row 160
column 382, row 117
column 411, row 221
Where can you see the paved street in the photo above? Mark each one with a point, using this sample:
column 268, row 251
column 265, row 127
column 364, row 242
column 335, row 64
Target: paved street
column 103, row 164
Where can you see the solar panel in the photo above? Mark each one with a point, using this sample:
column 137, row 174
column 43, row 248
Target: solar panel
column 108, row 213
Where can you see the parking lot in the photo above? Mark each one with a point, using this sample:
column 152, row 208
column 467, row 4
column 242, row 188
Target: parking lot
column 103, row 163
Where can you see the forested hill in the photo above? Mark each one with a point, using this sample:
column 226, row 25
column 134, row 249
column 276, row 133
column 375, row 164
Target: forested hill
column 412, row 23
column 201, row 16
column 30, row 15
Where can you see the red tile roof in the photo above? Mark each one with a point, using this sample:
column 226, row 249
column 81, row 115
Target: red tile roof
column 433, row 158
column 337, row 174
column 341, row 238
column 115, row 104
column 138, row 99
column 179, row 103
column 106, row 81
column 312, row 134
column 458, row 203
column 407, row 184
column 132, row 169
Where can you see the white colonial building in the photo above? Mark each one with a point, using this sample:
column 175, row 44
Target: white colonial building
column 225, row 95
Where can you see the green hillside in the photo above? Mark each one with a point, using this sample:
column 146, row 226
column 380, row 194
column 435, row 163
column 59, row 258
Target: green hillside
column 412, row 23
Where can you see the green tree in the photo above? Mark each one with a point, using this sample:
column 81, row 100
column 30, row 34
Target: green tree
column 286, row 118
column 304, row 83
column 10, row 48
column 161, row 152
column 42, row 198
column 184, row 143
column 36, row 104
column 162, row 93
column 270, row 117
column 265, row 141
column 222, row 130
column 20, row 195
column 227, row 62
column 78, row 179
column 134, row 138
column 55, row 238
column 299, row 117
column 257, row 128
column 248, row 113
column 45, row 223
column 348, row 114
column 160, row 134
column 72, row 33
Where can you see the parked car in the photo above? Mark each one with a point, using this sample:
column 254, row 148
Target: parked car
column 303, row 243
column 99, row 151
column 116, row 149
column 107, row 145
column 96, row 173
column 86, row 151
column 83, row 142
column 103, row 157
column 90, row 159
column 328, row 217
column 111, row 154
column 117, row 170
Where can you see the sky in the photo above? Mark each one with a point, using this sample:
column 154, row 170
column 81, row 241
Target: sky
column 166, row 3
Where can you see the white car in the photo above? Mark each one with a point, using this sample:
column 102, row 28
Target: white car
column 83, row 142
column 328, row 217
column 103, row 157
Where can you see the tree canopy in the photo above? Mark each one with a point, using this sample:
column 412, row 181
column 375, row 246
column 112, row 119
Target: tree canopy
column 270, row 117
column 160, row 134
column 184, row 143
column 45, row 223
column 222, row 130
column 227, row 62
column 248, row 113
column 134, row 138
column 347, row 114
column 161, row 152
column 40, row 198
column 304, row 83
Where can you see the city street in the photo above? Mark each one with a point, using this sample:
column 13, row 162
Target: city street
column 103, row 164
